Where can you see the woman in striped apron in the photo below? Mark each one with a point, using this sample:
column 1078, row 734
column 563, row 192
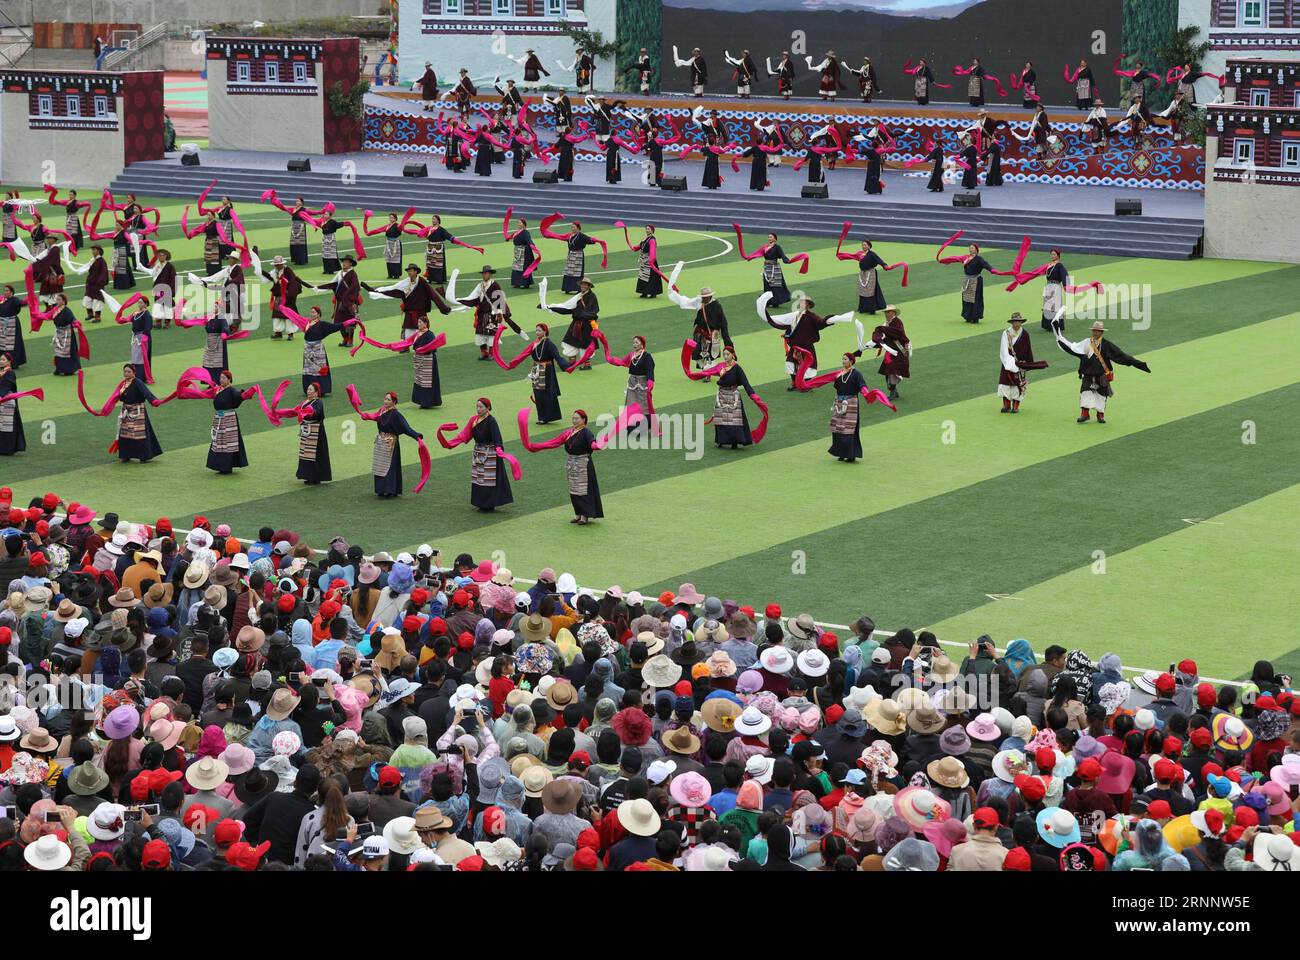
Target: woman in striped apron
column 216, row 357
column 542, row 376
column 12, row 439
column 922, row 77
column 1028, row 85
column 975, row 83
column 72, row 208
column 575, row 260
column 8, row 210
column 392, row 232
column 436, row 238
column 225, row 214
column 315, row 364
column 730, row 424
column 580, row 470
column 313, row 445
column 298, row 254
column 123, row 275
column 426, row 392
column 846, row 440
column 141, row 339
column 11, row 327
column 649, row 283
column 972, row 284
column 386, row 462
column 1083, row 88
column 135, row 436
column 773, row 277
column 1054, row 290
column 211, row 246
column 329, row 245
column 870, row 297
column 489, row 478
column 525, row 253
column 226, row 450
column 63, row 343
column 640, row 375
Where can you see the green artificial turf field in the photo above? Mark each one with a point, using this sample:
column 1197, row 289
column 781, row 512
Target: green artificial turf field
column 1167, row 532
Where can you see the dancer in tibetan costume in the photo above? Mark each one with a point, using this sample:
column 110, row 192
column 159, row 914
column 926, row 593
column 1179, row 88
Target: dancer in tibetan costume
column 74, row 212
column 331, row 262
column 992, row 157
column 975, row 74
column 744, row 73
column 386, row 461
column 576, row 242
column 97, row 278
column 640, row 376
column 730, row 422
column 850, row 389
column 894, row 349
column 1099, row 126
column 769, row 142
column 784, row 74
column 830, row 83
column 1097, row 359
column 141, row 320
column 579, row 444
column 164, row 286
column 870, row 295
column 135, row 437
column 1027, row 83
column 300, row 217
column 533, row 69
column 1084, row 88
column 226, row 451
column 11, row 327
column 315, row 363
column 491, row 311
column 418, row 296
column 436, row 238
column 801, row 329
column 649, row 281
column 488, row 477
column 542, row 376
column 973, row 266
column 1015, row 357
column 709, row 328
column 699, row 70
column 67, row 340
column 584, row 308
column 525, row 256
column 644, row 70
column 12, row 438
column 427, row 83
column 969, row 161
column 773, row 256
column 285, row 289
column 868, row 83
column 392, row 231
column 922, row 79
column 426, row 387
column 313, row 443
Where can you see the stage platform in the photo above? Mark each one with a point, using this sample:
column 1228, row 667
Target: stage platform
column 1073, row 218
column 396, row 121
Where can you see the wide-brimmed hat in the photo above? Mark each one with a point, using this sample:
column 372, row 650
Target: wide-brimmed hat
column 984, row 728
column 687, row 594
column 47, row 853
column 159, row 595
column 206, row 773
column 255, row 784
column 752, row 722
column 942, row 669
column 802, row 626
column 948, row 772
column 681, row 741
column 690, row 789
column 909, row 698
column 1057, row 827
column 535, row 779
column 561, row 796
column 925, row 719
column 720, row 714
column 661, row 671
column 638, row 817
column 560, row 694
column 86, row 779
column 1009, row 764
column 196, row 575
column 954, row 741
column 1231, row 733
column 776, row 660
column 812, row 662
column 67, row 611
column 283, row 702
column 225, row 576
column 121, row 722
column 123, row 599
column 107, row 821
column 851, row 725
column 720, row 664
column 1287, row 772
column 401, row 835
column 918, row 806
column 1117, row 772
column 1275, row 853
column 911, row 855
column 886, row 716
column 535, row 628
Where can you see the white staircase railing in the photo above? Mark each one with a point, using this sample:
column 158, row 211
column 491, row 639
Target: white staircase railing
column 120, row 59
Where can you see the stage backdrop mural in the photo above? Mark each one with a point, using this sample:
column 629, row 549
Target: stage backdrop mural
column 1002, row 33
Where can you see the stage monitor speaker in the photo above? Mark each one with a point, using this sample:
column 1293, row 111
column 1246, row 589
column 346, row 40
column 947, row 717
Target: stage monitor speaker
column 814, row 191
column 966, row 199
column 675, row 184
column 415, row 170
column 189, row 160
column 545, row 176
column 299, row 165
column 1127, row 207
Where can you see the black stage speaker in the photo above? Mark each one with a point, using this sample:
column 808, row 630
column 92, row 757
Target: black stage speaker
column 415, row 170
column 814, row 191
column 299, row 165
column 189, row 159
column 545, row 176
column 675, row 184
column 1128, row 207
column 966, row 199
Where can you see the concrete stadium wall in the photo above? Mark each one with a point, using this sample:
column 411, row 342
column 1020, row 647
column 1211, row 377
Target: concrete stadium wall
column 245, row 122
column 1239, row 215
column 82, row 158
column 483, row 54
column 179, row 56
column 202, row 11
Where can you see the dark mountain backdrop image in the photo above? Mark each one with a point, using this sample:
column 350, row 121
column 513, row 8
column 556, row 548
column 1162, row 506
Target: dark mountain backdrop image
column 1004, row 34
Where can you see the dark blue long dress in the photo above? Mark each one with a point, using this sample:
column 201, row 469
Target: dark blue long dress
column 135, row 437
column 489, row 475
column 386, row 464
column 226, row 451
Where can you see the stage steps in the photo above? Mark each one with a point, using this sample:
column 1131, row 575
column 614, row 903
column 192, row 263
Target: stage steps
column 1164, row 238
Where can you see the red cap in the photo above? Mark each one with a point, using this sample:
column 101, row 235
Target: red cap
column 329, row 610
column 1244, row 816
column 6, row 495
column 828, row 641
column 682, row 688
column 37, row 559
column 1214, row 820
column 589, row 838
column 1210, row 768
column 419, row 596
column 412, row 624
column 772, row 611
column 160, row 778
column 437, row 627
column 465, row 641
column 1159, row 810
column 986, row 817
column 156, row 856
column 1045, row 759
column 287, row 602
column 460, row 599
column 197, row 817
column 42, row 527
column 163, row 525
column 585, row 859
column 833, row 713
column 748, row 611
column 667, row 598
column 140, row 787
column 245, row 856
column 227, row 832
column 1201, row 737
column 580, row 758
column 1031, row 788
column 1089, row 769
column 49, row 501
column 389, row 776
column 1187, row 666
column 1206, row 695
column 6, row 636
column 1166, row 770
column 474, row 863
column 1016, row 859
column 1165, row 683
column 1171, row 747
column 1265, row 703
column 494, row 822
column 202, row 522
